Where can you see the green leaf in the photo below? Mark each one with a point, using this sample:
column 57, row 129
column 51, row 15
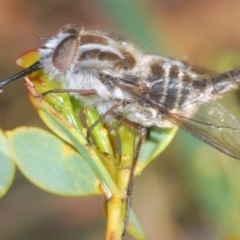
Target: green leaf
column 7, row 167
column 154, row 145
column 51, row 164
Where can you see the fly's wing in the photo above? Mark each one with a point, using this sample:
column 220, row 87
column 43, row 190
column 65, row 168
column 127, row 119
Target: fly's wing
column 211, row 123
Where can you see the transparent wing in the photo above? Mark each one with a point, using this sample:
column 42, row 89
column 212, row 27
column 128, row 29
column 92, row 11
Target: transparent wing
column 212, row 123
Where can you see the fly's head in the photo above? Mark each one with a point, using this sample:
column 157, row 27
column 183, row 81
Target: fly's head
column 57, row 55
column 74, row 54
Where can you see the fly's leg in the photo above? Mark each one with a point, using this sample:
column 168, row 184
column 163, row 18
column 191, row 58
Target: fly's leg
column 108, row 112
column 143, row 133
column 82, row 92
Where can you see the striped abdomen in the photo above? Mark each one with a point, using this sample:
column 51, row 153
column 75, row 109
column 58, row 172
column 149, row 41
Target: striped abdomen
column 175, row 85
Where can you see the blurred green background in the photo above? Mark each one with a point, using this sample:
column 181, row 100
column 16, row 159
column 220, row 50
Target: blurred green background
column 191, row 191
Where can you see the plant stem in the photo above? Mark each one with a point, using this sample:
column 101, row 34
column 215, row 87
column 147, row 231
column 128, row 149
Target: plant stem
column 115, row 211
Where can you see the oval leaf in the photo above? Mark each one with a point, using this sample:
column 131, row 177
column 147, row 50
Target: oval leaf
column 52, row 165
column 7, row 167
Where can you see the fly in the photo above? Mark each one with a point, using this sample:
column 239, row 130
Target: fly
column 141, row 90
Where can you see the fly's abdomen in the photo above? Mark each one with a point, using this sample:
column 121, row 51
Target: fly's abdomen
column 175, row 86
column 169, row 85
column 226, row 81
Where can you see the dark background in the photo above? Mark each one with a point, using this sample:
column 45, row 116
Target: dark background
column 191, row 191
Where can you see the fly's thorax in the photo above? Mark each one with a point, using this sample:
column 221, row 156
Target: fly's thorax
column 102, row 84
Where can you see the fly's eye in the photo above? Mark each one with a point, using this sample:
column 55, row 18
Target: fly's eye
column 64, row 53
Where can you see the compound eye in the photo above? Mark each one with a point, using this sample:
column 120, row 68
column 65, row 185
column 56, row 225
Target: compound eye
column 64, row 53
